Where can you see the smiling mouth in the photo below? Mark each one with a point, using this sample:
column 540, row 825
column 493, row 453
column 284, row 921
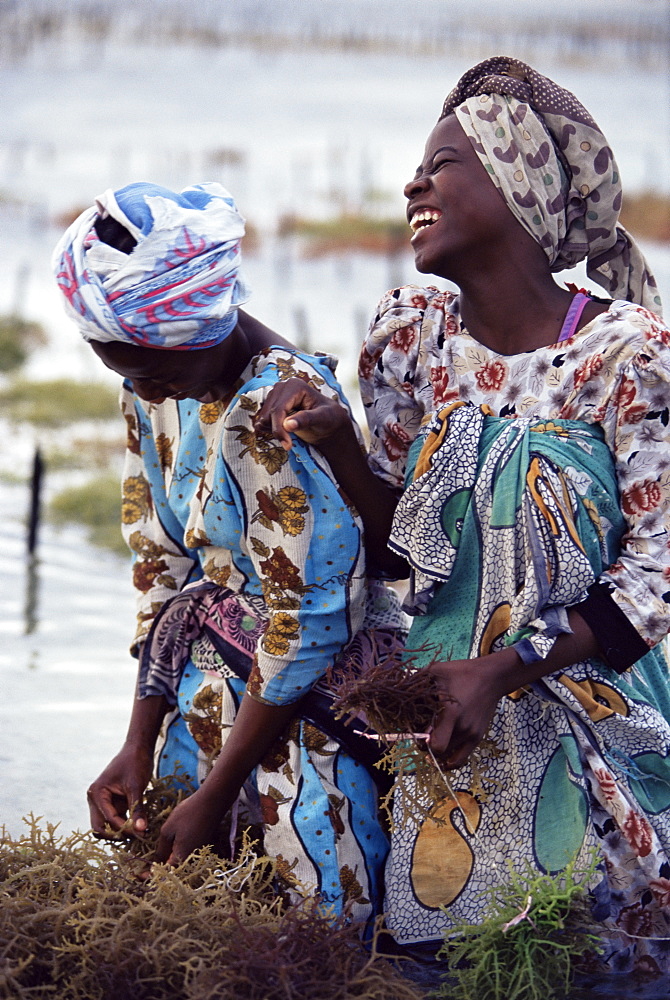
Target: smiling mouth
column 422, row 220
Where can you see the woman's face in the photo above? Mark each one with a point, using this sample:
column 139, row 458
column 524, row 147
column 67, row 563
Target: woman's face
column 455, row 210
column 205, row 374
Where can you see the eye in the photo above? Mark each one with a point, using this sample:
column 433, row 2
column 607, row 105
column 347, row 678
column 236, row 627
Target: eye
column 443, row 162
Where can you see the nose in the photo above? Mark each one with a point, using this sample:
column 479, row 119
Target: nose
column 416, row 185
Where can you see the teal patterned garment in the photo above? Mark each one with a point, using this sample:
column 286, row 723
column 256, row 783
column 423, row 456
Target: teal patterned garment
column 500, row 543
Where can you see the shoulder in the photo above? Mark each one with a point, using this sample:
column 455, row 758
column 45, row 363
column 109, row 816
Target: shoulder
column 278, row 364
column 152, row 419
column 404, row 318
column 412, row 304
column 281, row 363
column 637, row 337
column 632, row 323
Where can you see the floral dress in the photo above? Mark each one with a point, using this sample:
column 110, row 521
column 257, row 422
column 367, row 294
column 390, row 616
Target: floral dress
column 237, row 540
column 534, row 482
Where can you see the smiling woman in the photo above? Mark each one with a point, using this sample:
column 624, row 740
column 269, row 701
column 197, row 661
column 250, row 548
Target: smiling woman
column 248, row 564
column 459, row 222
column 518, row 464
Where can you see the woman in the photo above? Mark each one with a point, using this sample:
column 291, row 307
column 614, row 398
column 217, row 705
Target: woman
column 248, row 562
column 529, row 425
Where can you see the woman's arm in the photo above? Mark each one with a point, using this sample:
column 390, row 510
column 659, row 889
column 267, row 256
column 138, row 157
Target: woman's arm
column 294, row 407
column 161, row 566
column 471, row 689
column 119, row 790
column 197, row 819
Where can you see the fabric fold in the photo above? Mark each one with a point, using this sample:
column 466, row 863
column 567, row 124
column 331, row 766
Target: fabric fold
column 504, row 506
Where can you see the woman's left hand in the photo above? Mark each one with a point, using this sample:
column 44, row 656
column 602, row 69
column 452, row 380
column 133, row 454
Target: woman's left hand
column 469, row 691
column 192, row 824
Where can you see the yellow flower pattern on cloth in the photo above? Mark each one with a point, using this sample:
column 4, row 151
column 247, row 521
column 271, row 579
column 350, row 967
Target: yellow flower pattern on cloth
column 203, row 494
column 136, row 502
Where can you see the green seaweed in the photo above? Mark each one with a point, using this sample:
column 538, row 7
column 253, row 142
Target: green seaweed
column 536, row 930
column 97, row 505
column 58, row 402
column 18, row 337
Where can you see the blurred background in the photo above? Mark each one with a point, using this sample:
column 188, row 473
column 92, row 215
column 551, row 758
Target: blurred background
column 314, row 114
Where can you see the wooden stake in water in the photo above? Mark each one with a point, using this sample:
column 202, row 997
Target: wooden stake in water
column 35, row 500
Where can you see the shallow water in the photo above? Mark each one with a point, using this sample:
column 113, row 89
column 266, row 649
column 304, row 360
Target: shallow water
column 67, row 679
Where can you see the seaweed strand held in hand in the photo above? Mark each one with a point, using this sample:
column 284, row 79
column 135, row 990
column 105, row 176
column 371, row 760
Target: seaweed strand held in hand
column 395, row 696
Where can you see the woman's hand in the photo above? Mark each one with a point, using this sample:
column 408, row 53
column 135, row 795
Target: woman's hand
column 121, row 786
column 119, row 791
column 295, row 407
column 192, row 824
column 469, row 692
column 471, row 689
column 196, row 821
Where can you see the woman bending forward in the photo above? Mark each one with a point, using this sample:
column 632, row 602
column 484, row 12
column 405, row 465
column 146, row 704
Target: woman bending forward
column 248, row 562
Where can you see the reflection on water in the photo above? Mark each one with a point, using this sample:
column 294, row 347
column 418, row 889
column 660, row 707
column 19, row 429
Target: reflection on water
column 66, row 616
column 30, row 607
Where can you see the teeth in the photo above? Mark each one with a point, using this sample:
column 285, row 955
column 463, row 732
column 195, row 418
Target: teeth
column 422, row 219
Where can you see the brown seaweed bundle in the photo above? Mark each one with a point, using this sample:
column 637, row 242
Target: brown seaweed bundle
column 77, row 923
column 398, row 698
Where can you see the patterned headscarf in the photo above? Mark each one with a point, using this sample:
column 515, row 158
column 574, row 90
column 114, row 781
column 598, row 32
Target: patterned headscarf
column 180, row 286
column 555, row 170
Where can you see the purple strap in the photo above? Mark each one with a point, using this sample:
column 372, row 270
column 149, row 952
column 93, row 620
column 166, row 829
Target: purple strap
column 573, row 316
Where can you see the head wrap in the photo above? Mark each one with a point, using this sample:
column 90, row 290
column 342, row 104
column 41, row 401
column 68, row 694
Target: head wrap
column 178, row 288
column 555, row 170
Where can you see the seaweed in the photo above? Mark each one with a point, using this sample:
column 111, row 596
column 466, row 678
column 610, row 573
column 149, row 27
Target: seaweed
column 398, row 698
column 77, row 923
column 160, row 798
column 393, row 694
column 537, row 929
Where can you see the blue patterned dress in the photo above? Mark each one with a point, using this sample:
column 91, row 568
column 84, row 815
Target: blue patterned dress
column 542, row 481
column 272, row 554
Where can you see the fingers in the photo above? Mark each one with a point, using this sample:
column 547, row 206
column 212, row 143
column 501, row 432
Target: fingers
column 440, row 734
column 458, row 757
column 170, row 850
column 106, row 808
column 451, row 738
column 164, row 847
column 140, row 823
column 282, row 401
column 109, row 806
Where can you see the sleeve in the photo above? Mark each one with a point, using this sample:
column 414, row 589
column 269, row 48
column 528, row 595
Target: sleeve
column 304, row 544
column 388, row 368
column 629, row 607
column 162, row 564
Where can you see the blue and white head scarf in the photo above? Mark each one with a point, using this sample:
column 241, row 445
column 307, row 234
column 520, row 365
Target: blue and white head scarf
column 180, row 286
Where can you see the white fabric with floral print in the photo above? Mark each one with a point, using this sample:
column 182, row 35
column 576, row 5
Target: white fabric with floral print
column 615, row 372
